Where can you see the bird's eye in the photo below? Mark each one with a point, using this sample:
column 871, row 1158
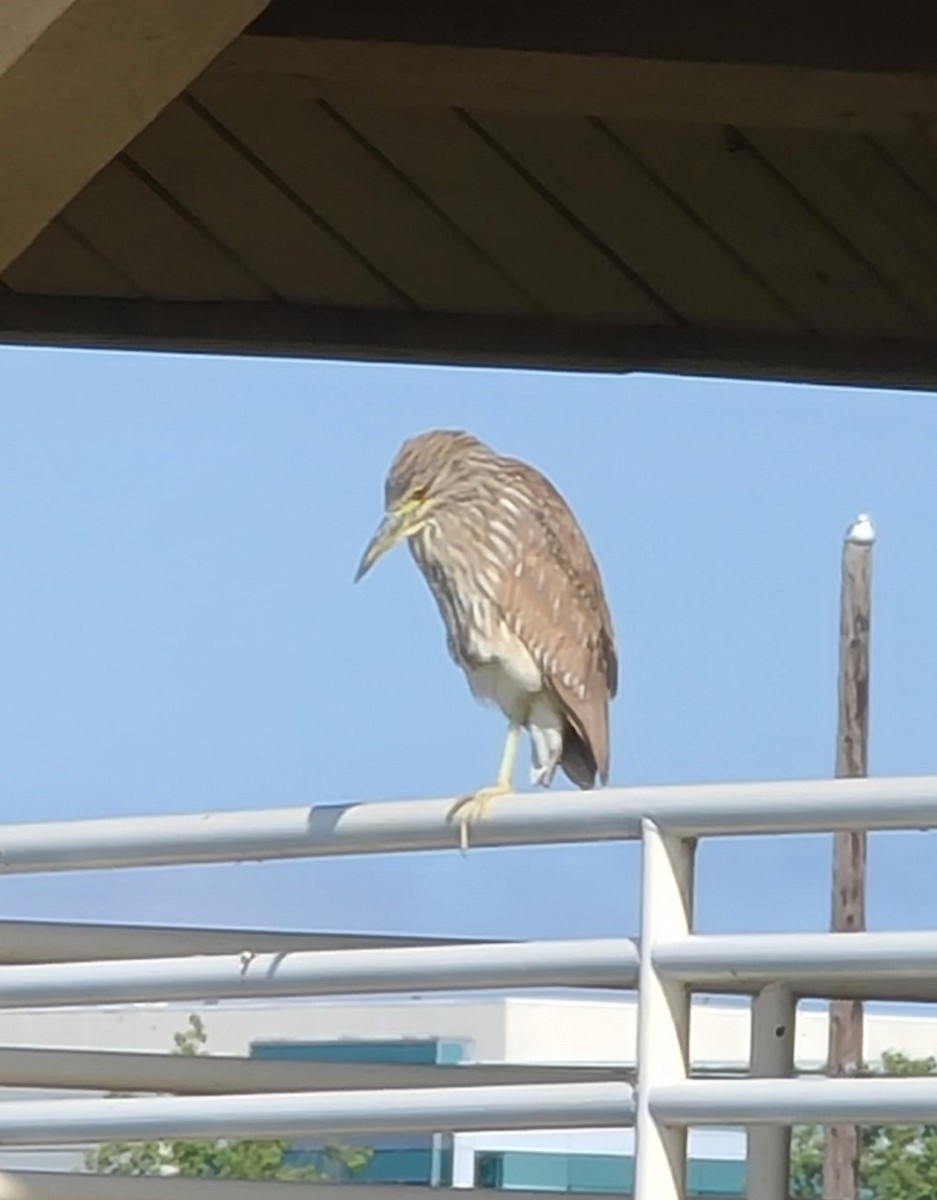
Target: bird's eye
column 419, row 493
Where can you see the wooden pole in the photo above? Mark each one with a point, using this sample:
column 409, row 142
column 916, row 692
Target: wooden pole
column 841, row 1153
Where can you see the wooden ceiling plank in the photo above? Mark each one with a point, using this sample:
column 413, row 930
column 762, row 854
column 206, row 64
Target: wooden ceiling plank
column 299, row 259
column 568, row 276
column 606, row 82
column 914, row 158
column 911, row 208
column 632, row 213
column 60, row 263
column 373, row 205
column 154, row 244
column 456, row 339
column 78, row 79
column 874, row 208
column 839, row 34
column 757, row 213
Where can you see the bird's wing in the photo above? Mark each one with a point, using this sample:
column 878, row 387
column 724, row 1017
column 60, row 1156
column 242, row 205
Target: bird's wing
column 553, row 601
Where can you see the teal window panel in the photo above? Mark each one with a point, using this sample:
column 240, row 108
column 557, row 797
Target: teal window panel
column 489, row 1172
column 612, row 1174
column 443, row 1169
column 405, row 1164
column 537, row 1172
column 403, row 1051
column 450, row 1053
column 716, row 1177
column 545, row 1171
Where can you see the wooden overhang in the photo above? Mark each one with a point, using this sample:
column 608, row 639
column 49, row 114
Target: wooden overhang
column 733, row 188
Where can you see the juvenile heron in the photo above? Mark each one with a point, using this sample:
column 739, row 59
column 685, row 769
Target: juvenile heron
column 521, row 598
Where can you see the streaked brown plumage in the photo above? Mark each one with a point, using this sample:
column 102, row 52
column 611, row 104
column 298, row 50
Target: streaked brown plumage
column 520, row 595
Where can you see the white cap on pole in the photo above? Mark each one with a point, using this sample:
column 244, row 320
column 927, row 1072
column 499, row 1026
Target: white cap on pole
column 861, row 532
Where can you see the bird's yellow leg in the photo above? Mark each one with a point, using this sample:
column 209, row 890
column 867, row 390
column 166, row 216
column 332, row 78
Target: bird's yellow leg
column 471, row 808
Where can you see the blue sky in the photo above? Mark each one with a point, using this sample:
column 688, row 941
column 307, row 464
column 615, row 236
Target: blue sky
column 180, row 632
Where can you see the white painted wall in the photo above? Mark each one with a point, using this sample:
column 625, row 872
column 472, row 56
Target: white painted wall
column 520, row 1029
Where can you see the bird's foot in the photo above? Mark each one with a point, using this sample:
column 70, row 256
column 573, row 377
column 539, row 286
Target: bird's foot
column 469, row 810
column 543, row 776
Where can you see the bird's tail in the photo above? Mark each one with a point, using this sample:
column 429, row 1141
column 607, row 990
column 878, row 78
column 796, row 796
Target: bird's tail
column 576, row 760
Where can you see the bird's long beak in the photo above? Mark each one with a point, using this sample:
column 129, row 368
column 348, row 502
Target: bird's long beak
column 390, row 531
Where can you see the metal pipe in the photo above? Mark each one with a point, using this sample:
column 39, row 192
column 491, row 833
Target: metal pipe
column 66, row 1185
column 906, row 1101
column 424, row 1110
column 663, row 1012
column 215, row 1074
column 600, row 962
column 768, row 1166
column 868, row 965
column 798, row 806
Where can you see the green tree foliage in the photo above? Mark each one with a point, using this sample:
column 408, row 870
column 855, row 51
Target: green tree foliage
column 899, row 1162
column 241, row 1158
column 191, row 1040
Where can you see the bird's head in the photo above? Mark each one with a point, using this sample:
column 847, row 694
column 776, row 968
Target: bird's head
column 423, row 475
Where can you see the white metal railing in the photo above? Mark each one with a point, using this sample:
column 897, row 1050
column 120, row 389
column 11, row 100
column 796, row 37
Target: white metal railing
column 892, row 966
column 299, row 1114
column 905, row 1101
column 612, row 814
column 666, row 965
column 598, row 963
column 59, row 1185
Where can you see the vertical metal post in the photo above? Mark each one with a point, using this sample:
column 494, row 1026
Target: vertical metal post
column 663, row 1011
column 841, row 1154
column 768, row 1170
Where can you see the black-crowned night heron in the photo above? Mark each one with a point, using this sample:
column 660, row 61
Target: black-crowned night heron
column 521, row 598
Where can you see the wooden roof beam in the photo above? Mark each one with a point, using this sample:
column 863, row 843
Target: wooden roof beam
column 841, row 35
column 79, row 79
column 442, row 339
column 608, row 84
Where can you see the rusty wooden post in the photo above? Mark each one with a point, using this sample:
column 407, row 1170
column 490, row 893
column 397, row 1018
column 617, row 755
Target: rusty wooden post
column 841, row 1155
